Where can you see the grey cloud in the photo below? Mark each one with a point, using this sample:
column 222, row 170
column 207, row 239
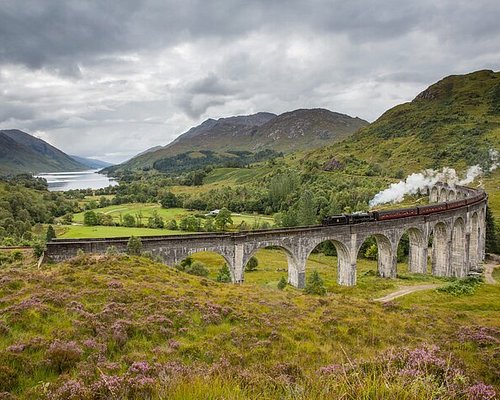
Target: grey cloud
column 114, row 78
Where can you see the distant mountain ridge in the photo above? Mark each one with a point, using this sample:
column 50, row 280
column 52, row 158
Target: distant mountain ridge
column 91, row 162
column 291, row 131
column 20, row 152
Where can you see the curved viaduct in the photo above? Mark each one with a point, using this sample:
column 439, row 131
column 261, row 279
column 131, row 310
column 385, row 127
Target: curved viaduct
column 458, row 242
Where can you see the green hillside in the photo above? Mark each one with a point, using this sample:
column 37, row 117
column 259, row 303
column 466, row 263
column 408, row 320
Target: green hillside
column 21, row 153
column 452, row 123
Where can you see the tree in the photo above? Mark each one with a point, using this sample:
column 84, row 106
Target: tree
column 223, row 275
column 197, row 268
column 371, row 252
column 209, row 224
column 306, row 209
column 51, row 233
column 128, row 220
column 315, row 285
column 252, row 264
column 190, row 223
column 282, row 283
column 169, row 200
column 90, row 218
column 67, row 218
column 223, row 219
column 155, row 221
column 134, row 246
column 492, row 241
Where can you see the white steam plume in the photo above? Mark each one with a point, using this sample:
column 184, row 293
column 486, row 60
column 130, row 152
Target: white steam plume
column 422, row 181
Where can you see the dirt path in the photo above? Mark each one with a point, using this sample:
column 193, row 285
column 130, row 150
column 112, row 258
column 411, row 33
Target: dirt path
column 488, row 273
column 406, row 290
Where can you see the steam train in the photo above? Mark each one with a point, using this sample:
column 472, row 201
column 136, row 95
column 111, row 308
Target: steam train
column 357, row 218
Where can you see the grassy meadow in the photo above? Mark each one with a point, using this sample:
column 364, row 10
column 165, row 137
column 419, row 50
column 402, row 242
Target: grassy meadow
column 145, row 210
column 118, row 327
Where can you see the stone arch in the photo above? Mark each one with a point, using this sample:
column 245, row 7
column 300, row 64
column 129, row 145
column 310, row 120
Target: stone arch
column 452, row 195
column 296, row 269
column 346, row 270
column 417, row 252
column 440, row 250
column 443, row 195
column 386, row 257
column 482, row 233
column 434, row 194
column 474, row 248
column 227, row 260
column 458, row 247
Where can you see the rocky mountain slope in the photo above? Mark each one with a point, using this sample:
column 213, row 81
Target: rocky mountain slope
column 21, row 152
column 288, row 132
column 455, row 122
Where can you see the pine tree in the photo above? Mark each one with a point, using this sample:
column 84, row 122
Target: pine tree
column 492, row 241
column 306, row 211
column 315, row 285
column 282, row 283
column 51, row 233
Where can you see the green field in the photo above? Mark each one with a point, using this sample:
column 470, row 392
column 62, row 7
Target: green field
column 82, row 231
column 145, row 211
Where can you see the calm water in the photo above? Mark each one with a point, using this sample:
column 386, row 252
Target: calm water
column 60, row 181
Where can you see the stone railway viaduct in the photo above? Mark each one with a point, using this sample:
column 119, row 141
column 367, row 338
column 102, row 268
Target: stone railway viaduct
column 458, row 242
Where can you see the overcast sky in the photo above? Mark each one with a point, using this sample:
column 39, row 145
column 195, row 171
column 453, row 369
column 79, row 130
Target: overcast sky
column 109, row 79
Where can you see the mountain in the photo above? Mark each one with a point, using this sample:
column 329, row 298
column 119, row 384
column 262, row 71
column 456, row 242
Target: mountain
column 91, row 163
column 288, row 132
column 21, row 152
column 454, row 122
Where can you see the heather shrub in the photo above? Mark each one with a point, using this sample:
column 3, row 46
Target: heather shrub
column 70, row 390
column 61, row 356
column 8, row 378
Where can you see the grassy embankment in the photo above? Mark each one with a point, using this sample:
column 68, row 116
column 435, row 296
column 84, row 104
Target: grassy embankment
column 121, row 327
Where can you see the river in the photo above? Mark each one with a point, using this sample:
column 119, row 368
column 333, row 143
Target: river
column 61, row 181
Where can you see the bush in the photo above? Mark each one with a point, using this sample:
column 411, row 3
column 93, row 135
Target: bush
column 112, row 251
column 134, row 246
column 223, row 275
column 371, row 252
column 197, row 268
column 172, row 225
column 464, row 286
column 282, row 283
column 252, row 264
column 38, row 249
column 315, row 285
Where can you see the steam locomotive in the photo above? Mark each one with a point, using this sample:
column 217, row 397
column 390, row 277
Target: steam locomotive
column 357, row 218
